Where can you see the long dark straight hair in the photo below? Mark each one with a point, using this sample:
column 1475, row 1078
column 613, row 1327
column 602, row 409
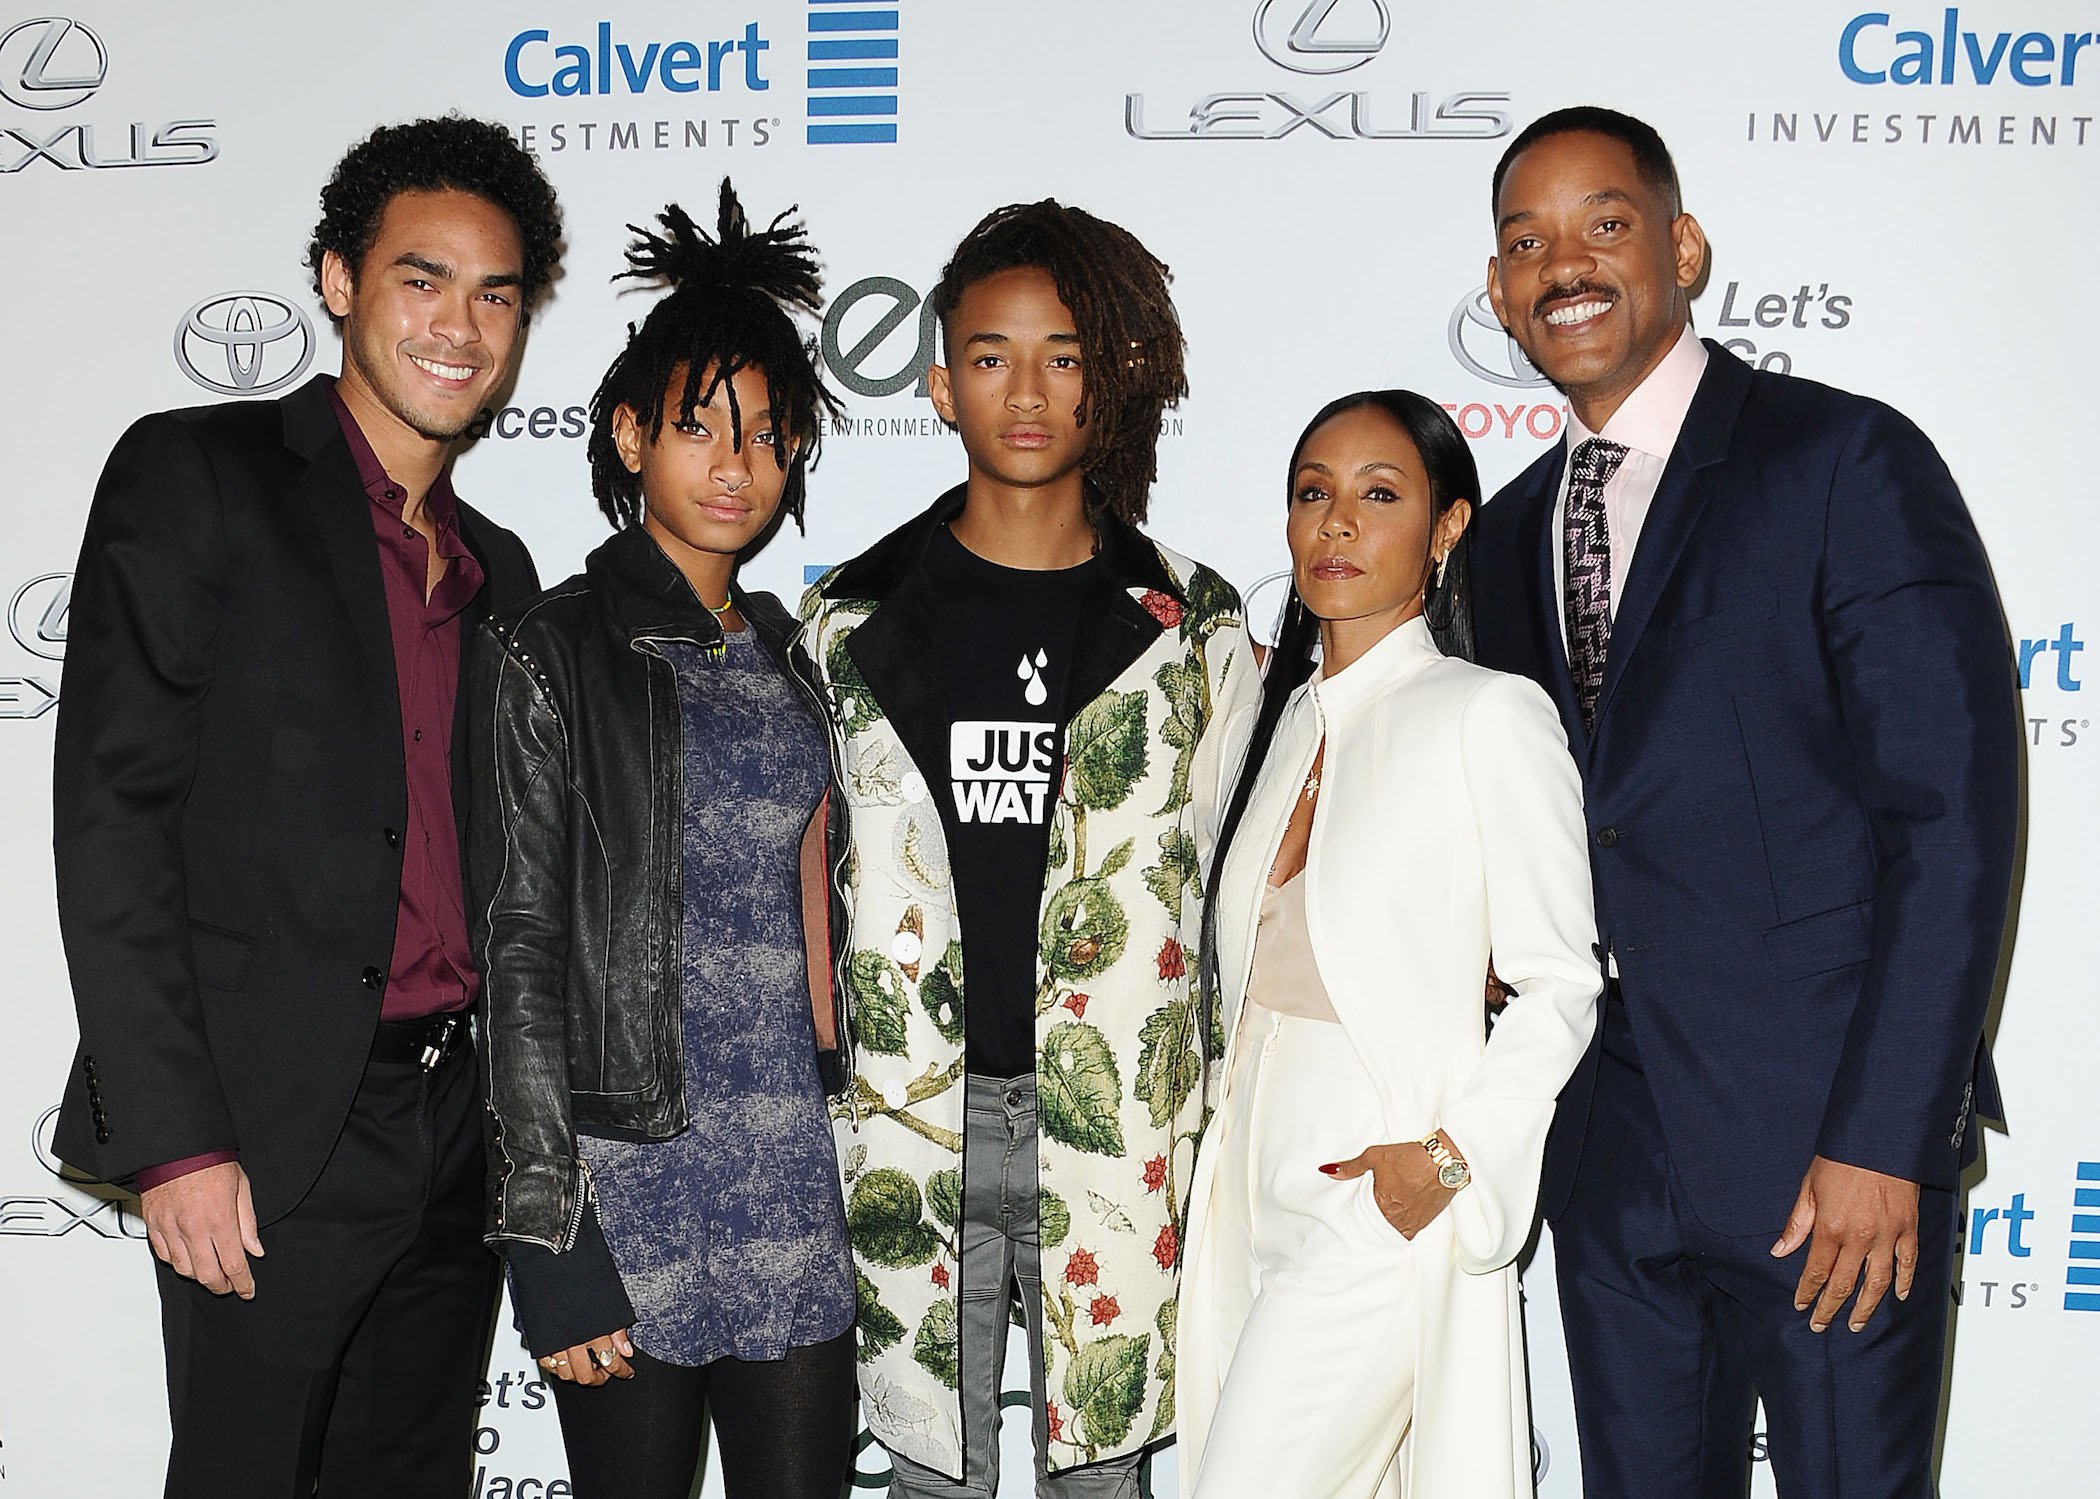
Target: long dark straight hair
column 1447, row 605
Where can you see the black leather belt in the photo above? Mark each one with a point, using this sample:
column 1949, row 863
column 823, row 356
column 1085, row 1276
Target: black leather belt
column 429, row 1039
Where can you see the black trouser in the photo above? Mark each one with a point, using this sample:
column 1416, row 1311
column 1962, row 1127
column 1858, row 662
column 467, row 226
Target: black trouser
column 354, row 1370
column 784, row 1427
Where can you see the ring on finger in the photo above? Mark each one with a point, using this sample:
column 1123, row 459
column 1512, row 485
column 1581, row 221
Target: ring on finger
column 603, row 1357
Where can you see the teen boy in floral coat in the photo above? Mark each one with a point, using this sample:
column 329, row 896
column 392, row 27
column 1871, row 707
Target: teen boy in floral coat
column 1029, row 701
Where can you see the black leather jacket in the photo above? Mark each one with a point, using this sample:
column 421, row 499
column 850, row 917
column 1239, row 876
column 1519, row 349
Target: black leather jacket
column 575, row 865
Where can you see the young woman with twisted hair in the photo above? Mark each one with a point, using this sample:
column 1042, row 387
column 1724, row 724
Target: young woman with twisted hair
column 1349, row 1315
column 650, row 770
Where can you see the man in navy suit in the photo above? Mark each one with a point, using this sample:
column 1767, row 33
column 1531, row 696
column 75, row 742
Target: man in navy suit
column 1773, row 634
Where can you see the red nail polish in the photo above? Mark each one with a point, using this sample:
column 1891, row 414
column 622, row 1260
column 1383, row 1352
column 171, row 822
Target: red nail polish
column 1331, row 1167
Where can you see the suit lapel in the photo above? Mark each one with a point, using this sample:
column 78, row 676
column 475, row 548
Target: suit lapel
column 1674, row 512
column 332, row 497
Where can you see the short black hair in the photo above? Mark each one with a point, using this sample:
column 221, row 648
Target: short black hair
column 451, row 153
column 728, row 309
column 1131, row 348
column 1651, row 158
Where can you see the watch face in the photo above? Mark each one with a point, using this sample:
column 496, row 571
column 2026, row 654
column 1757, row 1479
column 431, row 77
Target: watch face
column 1454, row 1175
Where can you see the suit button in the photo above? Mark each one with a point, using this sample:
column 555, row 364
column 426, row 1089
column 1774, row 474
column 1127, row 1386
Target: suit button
column 1606, row 837
column 393, row 838
column 101, row 1134
column 374, row 978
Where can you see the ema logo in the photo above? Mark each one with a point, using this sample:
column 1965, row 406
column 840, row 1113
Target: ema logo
column 852, row 74
column 535, row 66
column 262, row 342
column 2082, row 1279
column 2033, row 59
column 55, row 63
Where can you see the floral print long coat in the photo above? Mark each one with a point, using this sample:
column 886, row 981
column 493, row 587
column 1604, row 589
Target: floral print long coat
column 1123, row 1061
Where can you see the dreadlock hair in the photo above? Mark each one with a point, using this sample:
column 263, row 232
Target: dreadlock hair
column 729, row 308
column 436, row 155
column 1130, row 342
column 1447, row 603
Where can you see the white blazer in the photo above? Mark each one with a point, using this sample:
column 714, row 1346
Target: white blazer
column 1449, row 827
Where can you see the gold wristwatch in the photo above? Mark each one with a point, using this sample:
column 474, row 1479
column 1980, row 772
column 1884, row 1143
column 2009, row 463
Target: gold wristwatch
column 1451, row 1171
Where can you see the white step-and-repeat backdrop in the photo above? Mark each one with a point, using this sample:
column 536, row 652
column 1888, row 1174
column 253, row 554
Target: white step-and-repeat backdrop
column 1899, row 201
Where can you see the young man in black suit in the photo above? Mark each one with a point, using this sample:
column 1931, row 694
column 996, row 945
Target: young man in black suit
column 258, row 834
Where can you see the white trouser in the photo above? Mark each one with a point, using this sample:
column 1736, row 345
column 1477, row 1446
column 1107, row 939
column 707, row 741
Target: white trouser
column 1312, row 1293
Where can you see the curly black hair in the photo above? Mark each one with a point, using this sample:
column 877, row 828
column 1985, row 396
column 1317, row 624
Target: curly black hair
column 1131, row 348
column 729, row 309
column 423, row 156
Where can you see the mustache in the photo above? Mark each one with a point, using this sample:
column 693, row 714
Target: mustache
column 1573, row 291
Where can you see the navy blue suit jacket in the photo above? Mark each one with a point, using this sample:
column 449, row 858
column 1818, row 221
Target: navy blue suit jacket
column 1803, row 789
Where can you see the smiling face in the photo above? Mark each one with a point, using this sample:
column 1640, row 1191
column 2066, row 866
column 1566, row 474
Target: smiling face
column 1591, row 269
column 432, row 316
column 1013, row 384
column 1360, row 529
column 705, row 496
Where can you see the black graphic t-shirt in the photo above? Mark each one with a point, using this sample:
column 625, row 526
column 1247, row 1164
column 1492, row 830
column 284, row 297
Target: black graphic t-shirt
column 1006, row 646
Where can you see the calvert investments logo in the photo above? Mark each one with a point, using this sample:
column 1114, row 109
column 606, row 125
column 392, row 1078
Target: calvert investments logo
column 1315, row 39
column 852, row 73
column 620, row 75
column 244, row 343
column 51, row 64
column 2082, row 1277
column 2049, row 665
column 1872, row 50
column 2018, row 76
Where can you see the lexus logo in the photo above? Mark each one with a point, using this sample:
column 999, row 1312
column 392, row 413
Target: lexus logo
column 1479, row 343
column 1317, row 41
column 51, row 62
column 43, row 1141
column 36, row 615
column 244, row 343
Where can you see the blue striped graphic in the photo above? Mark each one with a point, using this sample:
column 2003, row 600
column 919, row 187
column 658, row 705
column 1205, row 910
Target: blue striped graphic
column 853, row 20
column 852, row 77
column 852, row 105
column 2084, row 1248
column 873, row 104
column 851, row 135
column 835, row 50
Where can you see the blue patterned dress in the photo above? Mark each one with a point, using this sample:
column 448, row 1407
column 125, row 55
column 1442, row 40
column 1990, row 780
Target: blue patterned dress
column 731, row 1238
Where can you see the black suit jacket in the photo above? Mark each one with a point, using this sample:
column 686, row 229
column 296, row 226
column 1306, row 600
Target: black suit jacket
column 228, row 774
column 1802, row 789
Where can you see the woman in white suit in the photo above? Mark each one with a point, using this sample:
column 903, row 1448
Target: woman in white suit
column 1349, row 1322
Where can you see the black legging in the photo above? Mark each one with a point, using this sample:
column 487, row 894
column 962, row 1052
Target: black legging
column 784, row 1429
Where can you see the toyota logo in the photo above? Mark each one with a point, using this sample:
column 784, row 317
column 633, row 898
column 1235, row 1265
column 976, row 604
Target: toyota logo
column 244, row 343
column 52, row 62
column 1479, row 343
column 36, row 615
column 1311, row 45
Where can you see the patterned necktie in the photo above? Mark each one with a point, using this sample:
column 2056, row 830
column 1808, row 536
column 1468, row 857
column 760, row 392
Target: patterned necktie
column 1586, row 559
